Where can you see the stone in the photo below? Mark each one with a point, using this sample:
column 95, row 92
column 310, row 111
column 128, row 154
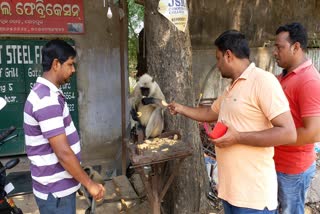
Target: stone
column 314, row 190
column 124, row 188
column 138, row 185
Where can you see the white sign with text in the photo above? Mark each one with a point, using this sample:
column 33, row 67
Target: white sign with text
column 175, row 11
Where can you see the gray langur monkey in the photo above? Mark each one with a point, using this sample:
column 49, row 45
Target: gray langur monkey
column 151, row 114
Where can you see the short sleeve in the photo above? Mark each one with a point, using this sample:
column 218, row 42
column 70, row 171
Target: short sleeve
column 50, row 117
column 217, row 103
column 271, row 97
column 309, row 99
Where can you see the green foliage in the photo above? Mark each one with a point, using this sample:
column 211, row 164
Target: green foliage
column 136, row 17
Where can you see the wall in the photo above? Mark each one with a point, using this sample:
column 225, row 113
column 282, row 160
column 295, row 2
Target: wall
column 258, row 20
column 98, row 81
column 209, row 82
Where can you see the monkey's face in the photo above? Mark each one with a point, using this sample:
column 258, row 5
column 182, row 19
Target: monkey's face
column 145, row 91
column 147, row 85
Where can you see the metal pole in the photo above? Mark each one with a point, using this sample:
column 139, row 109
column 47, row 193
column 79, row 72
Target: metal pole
column 123, row 91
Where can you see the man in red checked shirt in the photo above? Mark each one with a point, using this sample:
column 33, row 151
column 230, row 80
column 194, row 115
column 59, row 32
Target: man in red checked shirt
column 295, row 163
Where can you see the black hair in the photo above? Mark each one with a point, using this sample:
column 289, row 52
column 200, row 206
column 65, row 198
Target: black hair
column 234, row 41
column 297, row 33
column 56, row 49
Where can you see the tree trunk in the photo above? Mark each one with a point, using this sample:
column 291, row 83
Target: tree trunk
column 170, row 62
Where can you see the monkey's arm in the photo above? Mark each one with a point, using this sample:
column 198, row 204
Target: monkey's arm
column 159, row 94
column 155, row 124
column 156, row 101
column 135, row 97
column 134, row 115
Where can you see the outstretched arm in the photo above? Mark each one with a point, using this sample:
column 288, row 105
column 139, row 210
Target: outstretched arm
column 201, row 114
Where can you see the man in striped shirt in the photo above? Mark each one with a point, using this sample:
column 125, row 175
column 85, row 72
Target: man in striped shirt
column 52, row 141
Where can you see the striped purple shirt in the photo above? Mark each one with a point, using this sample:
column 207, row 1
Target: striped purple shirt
column 46, row 115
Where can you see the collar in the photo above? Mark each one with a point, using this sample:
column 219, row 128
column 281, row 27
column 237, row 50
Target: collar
column 49, row 84
column 300, row 68
column 245, row 74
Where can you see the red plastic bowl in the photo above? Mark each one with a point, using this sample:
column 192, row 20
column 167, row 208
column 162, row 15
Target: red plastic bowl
column 218, row 131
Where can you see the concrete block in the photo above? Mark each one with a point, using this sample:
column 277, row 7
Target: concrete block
column 142, row 208
column 124, row 188
column 111, row 193
column 138, row 185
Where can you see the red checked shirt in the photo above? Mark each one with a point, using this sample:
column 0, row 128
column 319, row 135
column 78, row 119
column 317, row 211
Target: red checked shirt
column 302, row 88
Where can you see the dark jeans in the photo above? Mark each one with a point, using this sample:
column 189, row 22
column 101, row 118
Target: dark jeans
column 230, row 209
column 65, row 205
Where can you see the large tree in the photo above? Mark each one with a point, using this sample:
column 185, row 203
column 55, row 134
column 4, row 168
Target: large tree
column 170, row 62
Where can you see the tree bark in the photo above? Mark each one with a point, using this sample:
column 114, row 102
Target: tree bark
column 170, row 63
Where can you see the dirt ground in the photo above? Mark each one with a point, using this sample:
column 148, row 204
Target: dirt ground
column 141, row 206
column 314, row 208
column 28, row 206
column 112, row 204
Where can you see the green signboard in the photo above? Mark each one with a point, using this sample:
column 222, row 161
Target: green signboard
column 20, row 65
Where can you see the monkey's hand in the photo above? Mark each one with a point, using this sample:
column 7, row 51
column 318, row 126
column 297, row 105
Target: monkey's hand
column 148, row 100
column 134, row 114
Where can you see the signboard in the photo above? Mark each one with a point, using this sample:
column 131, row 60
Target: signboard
column 175, row 11
column 41, row 17
column 20, row 65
